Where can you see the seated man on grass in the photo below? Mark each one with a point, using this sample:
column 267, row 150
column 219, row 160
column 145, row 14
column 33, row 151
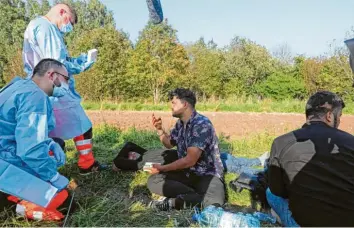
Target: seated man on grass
column 311, row 178
column 196, row 177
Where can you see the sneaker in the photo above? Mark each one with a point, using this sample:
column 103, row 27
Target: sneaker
column 95, row 167
column 162, row 205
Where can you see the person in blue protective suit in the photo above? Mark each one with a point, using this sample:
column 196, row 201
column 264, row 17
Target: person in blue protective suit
column 43, row 38
column 29, row 159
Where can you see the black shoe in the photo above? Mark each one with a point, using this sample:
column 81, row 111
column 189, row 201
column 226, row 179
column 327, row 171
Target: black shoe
column 95, row 167
column 162, row 205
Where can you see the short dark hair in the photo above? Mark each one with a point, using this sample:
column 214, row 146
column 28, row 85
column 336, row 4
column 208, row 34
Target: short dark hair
column 183, row 94
column 316, row 104
column 44, row 65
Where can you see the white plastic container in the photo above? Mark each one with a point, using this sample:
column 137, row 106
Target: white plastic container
column 92, row 55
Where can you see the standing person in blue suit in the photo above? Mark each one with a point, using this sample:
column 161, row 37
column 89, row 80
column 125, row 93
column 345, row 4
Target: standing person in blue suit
column 44, row 38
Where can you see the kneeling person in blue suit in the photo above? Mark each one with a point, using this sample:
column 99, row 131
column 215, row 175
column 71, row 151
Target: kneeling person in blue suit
column 29, row 181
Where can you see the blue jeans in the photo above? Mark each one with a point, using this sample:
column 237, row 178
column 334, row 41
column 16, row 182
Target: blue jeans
column 281, row 207
column 239, row 165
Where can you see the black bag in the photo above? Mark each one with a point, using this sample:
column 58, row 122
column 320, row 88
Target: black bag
column 257, row 184
column 122, row 161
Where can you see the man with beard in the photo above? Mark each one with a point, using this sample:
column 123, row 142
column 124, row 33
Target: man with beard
column 196, row 177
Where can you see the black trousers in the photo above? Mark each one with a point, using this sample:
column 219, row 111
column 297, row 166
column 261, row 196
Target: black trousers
column 87, row 135
column 6, row 205
column 188, row 190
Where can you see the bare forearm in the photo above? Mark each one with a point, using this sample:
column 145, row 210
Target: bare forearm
column 182, row 163
column 165, row 139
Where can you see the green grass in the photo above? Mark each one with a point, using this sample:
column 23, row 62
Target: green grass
column 120, row 199
column 230, row 105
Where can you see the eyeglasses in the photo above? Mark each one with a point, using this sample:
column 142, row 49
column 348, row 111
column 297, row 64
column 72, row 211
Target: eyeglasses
column 66, row 77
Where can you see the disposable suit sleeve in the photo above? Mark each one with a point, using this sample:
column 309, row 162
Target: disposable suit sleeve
column 51, row 48
column 32, row 134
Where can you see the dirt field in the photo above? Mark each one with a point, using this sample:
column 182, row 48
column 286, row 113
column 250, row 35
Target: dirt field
column 231, row 124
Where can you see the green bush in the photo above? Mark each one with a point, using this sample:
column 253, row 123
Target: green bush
column 281, row 86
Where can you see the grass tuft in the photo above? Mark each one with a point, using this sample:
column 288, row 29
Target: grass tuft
column 121, row 199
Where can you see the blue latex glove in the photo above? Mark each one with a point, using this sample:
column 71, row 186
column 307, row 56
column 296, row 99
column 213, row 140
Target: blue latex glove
column 87, row 65
column 58, row 153
column 59, row 181
column 81, row 59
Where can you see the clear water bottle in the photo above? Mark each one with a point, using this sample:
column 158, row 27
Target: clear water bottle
column 213, row 216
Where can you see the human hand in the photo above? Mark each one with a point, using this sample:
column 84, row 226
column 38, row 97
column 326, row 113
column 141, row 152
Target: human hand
column 81, row 59
column 156, row 168
column 58, row 153
column 87, row 65
column 157, row 122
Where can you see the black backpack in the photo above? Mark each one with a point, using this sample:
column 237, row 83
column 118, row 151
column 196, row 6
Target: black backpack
column 257, row 184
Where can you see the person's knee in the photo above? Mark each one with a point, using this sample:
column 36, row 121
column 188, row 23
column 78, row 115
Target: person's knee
column 217, row 200
column 215, row 195
column 153, row 181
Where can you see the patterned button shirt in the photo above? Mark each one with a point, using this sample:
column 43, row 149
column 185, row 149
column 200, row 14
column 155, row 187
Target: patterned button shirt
column 199, row 132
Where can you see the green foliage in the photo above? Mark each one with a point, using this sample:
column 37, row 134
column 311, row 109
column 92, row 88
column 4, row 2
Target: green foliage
column 13, row 21
column 121, row 199
column 281, row 86
column 205, row 75
column 245, row 65
column 158, row 59
column 106, row 78
column 158, row 62
column 228, row 105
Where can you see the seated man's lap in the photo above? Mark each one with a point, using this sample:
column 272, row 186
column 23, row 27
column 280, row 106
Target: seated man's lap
column 171, row 184
column 176, row 176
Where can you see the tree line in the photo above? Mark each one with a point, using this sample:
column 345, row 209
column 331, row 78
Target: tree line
column 158, row 61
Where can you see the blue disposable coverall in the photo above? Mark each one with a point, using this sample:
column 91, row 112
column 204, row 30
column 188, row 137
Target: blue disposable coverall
column 26, row 117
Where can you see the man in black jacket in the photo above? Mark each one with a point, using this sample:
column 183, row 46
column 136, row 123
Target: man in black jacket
column 311, row 177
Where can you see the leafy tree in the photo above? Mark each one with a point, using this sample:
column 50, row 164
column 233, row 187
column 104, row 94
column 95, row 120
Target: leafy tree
column 105, row 80
column 245, row 65
column 36, row 8
column 11, row 34
column 157, row 59
column 205, row 75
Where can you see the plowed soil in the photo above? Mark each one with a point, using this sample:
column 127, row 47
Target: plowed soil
column 232, row 124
